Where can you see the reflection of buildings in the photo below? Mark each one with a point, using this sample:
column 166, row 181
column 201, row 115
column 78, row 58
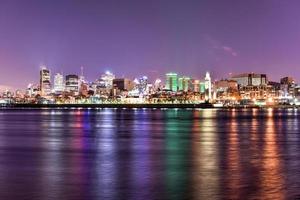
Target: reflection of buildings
column 45, row 81
column 233, row 159
column 271, row 174
column 205, row 155
column 177, row 152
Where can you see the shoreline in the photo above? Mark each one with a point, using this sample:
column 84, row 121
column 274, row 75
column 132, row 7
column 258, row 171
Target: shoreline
column 66, row 106
column 159, row 106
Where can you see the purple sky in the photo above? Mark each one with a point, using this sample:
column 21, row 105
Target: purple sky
column 133, row 38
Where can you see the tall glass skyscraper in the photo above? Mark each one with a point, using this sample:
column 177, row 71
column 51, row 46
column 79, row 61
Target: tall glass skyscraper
column 59, row 85
column 172, row 82
column 184, row 83
column 45, row 83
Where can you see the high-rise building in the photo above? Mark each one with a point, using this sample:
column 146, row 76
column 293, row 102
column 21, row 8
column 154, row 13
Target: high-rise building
column 287, row 81
column 157, row 85
column 59, row 85
column 287, row 86
column 142, row 85
column 123, row 84
column 250, row 79
column 108, row 78
column 72, row 83
column 171, row 82
column 81, row 77
column 45, row 81
column 184, row 83
column 208, row 87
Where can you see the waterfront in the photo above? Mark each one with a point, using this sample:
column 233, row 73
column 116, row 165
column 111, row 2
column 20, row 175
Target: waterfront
column 149, row 154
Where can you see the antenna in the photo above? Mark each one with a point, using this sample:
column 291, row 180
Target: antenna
column 81, row 68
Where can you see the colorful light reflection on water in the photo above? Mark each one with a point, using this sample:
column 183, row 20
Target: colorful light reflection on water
column 149, row 154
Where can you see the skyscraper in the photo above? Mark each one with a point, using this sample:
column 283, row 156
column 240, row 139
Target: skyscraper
column 123, row 84
column 172, row 82
column 72, row 83
column 184, row 83
column 108, row 78
column 58, row 83
column 208, row 87
column 45, row 83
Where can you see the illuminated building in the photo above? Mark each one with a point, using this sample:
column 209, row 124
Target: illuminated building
column 84, row 89
column 202, row 87
column 171, row 82
column 257, row 92
column 32, row 90
column 123, row 84
column 45, row 83
column 81, row 77
column 196, row 85
column 184, row 83
column 208, row 87
column 142, row 85
column 226, row 89
column 157, row 85
column 287, row 87
column 107, row 79
column 59, row 83
column 254, row 86
column 72, row 84
column 250, row 79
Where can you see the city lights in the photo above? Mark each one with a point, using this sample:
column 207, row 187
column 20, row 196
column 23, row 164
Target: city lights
column 243, row 90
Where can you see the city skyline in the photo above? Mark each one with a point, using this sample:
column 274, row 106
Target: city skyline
column 148, row 38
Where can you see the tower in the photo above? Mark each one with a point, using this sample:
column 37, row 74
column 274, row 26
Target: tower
column 58, row 83
column 45, row 83
column 208, row 87
column 172, row 82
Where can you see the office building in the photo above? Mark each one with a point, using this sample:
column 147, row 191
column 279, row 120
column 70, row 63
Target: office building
column 72, row 84
column 250, row 79
column 208, row 87
column 59, row 85
column 171, row 82
column 45, row 81
column 123, row 84
column 107, row 79
column 184, row 83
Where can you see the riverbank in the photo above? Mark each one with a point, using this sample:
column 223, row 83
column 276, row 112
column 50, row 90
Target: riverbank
column 201, row 105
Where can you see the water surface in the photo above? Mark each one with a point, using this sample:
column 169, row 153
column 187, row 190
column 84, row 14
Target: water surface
column 149, row 154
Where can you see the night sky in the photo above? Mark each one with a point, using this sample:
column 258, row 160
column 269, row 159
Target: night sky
column 147, row 37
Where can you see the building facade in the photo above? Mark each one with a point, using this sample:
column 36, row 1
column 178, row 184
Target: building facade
column 172, row 82
column 45, row 81
column 72, row 83
column 59, row 85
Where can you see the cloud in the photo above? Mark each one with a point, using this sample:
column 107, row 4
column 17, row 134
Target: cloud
column 215, row 44
column 229, row 50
